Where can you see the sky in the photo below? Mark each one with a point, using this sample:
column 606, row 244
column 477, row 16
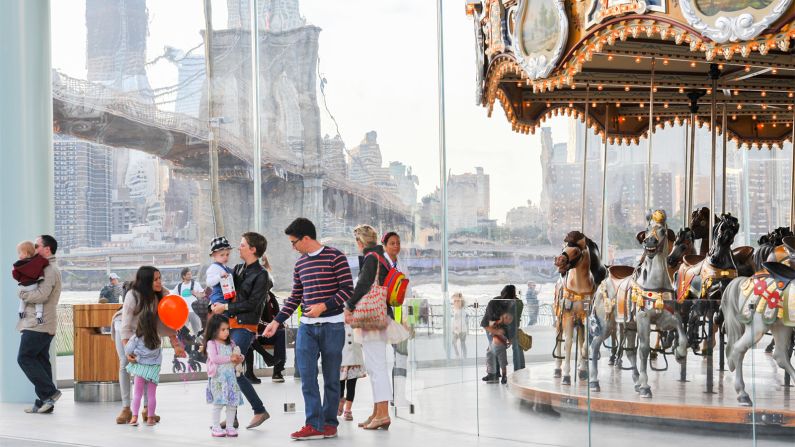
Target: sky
column 380, row 61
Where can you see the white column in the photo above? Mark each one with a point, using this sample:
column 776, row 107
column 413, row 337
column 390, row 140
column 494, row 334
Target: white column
column 26, row 171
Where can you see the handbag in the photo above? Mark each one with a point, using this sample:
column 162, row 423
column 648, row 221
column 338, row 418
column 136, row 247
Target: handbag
column 370, row 312
column 525, row 340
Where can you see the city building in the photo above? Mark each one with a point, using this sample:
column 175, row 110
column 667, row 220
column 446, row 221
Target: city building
column 365, row 165
column 468, row 200
column 82, row 192
column 406, row 183
column 334, row 156
column 272, row 15
column 530, row 215
column 116, row 55
column 191, row 73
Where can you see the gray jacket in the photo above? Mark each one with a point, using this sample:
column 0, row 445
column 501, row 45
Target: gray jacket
column 143, row 355
column 48, row 293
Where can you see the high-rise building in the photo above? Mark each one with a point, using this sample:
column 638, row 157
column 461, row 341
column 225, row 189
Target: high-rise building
column 334, row 156
column 406, row 183
column 191, row 72
column 468, row 201
column 662, row 190
column 525, row 216
column 272, row 15
column 116, row 45
column 366, row 165
column 82, row 192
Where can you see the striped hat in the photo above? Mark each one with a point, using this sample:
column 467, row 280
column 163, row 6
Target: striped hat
column 219, row 243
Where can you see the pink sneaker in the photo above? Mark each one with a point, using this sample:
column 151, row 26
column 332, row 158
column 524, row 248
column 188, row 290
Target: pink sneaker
column 231, row 433
column 218, row 432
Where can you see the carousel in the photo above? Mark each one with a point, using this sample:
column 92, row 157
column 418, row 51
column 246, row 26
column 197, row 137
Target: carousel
column 627, row 68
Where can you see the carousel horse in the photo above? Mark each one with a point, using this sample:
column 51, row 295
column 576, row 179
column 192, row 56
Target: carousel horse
column 700, row 281
column 699, row 225
column 581, row 272
column 684, row 245
column 752, row 306
column 636, row 299
column 767, row 246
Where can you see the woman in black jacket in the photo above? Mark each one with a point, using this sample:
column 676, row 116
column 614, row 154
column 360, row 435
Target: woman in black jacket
column 374, row 342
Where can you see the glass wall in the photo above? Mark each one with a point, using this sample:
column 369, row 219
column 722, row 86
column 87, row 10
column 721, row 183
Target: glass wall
column 154, row 158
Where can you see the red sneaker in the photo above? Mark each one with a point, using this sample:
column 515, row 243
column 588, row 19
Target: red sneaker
column 307, row 432
column 329, row 431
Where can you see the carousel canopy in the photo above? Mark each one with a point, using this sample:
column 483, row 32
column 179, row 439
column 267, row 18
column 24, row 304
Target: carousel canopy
column 621, row 61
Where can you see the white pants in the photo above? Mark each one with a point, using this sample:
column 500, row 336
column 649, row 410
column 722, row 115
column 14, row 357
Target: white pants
column 375, row 364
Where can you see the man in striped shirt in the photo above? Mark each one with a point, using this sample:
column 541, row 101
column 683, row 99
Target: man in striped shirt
column 322, row 282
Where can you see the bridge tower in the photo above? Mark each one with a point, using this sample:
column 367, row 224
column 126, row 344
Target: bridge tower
column 289, row 112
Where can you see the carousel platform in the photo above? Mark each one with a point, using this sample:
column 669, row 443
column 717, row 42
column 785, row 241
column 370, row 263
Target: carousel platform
column 673, row 402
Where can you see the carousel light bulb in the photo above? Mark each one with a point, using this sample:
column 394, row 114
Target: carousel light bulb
column 761, row 125
column 774, row 116
column 593, row 104
column 734, row 117
column 693, row 64
column 753, row 117
column 571, row 104
column 519, row 85
column 709, row 91
column 774, row 124
column 637, row 60
column 736, row 93
column 790, row 95
column 681, row 89
column 764, row 93
column 774, row 71
column 747, row 68
column 626, row 88
column 639, row 118
column 739, row 106
column 641, row 105
column 618, row 104
column 665, row 61
column 610, row 57
column 665, row 105
column 600, row 87
column 720, row 66
column 549, row 105
column 789, row 107
column 764, row 106
column 655, row 89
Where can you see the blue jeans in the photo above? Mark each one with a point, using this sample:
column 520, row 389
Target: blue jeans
column 243, row 338
column 324, row 341
column 34, row 359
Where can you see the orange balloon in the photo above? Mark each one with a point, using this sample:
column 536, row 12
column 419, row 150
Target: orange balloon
column 173, row 311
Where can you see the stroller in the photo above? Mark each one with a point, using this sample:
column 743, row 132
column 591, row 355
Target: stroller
column 192, row 343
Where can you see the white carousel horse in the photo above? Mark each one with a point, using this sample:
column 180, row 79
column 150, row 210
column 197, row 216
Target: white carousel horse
column 752, row 306
column 635, row 299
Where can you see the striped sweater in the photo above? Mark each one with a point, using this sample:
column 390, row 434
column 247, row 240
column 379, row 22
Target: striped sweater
column 324, row 278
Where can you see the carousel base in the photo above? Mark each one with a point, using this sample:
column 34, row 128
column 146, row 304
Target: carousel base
column 673, row 402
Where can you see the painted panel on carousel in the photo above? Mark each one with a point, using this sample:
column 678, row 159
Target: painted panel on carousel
column 601, row 10
column 732, row 20
column 493, row 29
column 541, row 31
column 480, row 64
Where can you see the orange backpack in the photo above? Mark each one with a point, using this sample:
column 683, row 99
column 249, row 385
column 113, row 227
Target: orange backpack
column 395, row 282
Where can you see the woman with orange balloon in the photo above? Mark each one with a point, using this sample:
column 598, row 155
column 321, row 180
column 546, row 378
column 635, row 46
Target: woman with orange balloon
column 172, row 312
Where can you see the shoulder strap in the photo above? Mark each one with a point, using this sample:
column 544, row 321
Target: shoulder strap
column 192, row 283
column 179, row 288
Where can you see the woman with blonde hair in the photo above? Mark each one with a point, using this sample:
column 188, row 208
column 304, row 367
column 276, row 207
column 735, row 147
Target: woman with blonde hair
column 374, row 342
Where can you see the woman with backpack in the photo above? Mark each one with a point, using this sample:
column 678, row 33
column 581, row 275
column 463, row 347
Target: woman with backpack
column 373, row 267
column 190, row 289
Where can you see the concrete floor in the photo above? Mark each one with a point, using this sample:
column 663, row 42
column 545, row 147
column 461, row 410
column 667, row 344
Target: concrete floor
column 451, row 407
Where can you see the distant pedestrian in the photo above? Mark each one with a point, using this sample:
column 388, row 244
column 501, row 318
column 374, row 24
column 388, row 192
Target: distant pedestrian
column 111, row 292
column 460, row 325
column 34, row 345
column 190, row 289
